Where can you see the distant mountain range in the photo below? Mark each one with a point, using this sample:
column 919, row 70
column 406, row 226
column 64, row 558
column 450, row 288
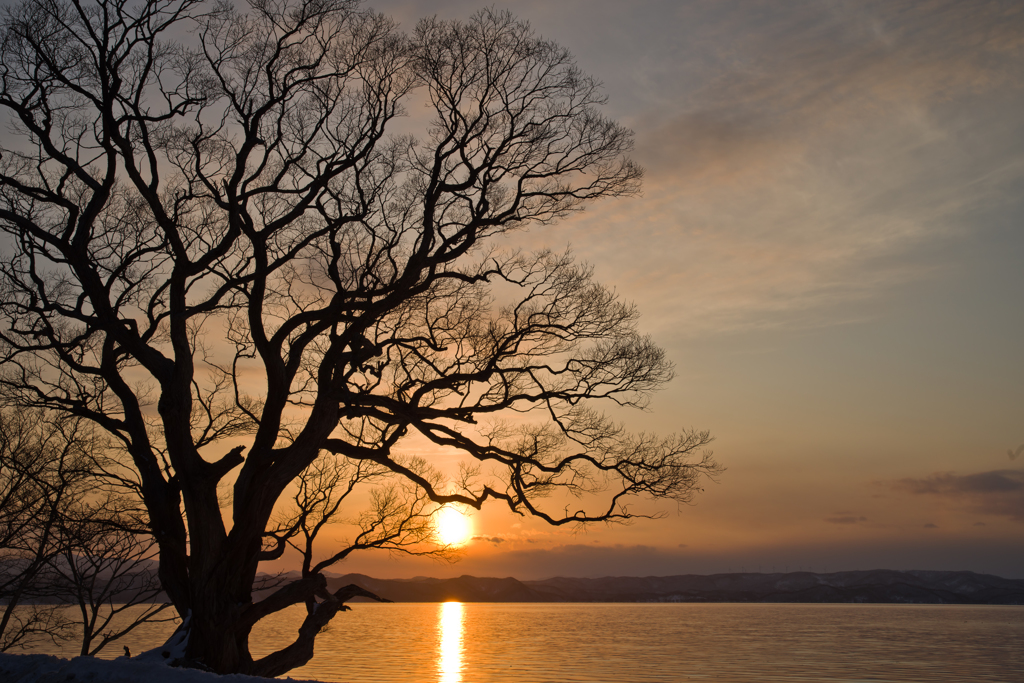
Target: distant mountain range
column 876, row 586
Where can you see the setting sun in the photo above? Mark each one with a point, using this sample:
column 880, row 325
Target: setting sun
column 453, row 527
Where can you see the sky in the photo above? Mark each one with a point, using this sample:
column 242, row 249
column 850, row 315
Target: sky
column 830, row 247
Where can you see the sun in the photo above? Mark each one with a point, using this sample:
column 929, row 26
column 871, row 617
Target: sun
column 453, row 527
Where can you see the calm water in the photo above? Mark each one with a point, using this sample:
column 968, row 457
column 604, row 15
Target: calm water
column 475, row 642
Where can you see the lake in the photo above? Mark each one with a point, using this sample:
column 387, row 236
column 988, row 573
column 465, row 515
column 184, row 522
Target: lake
column 530, row 642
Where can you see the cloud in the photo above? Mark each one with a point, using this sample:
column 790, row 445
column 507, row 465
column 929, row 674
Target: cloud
column 825, row 65
column 801, row 156
column 490, row 539
column 997, row 492
column 845, row 519
column 813, row 159
column 950, row 483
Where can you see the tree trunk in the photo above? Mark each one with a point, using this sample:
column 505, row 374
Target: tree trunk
column 218, row 633
column 223, row 616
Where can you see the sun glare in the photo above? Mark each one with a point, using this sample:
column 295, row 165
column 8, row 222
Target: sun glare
column 453, row 527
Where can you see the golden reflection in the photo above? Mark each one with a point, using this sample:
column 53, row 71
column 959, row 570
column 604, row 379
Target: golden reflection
column 449, row 656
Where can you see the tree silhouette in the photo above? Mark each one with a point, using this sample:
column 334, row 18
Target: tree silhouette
column 107, row 570
column 220, row 252
column 71, row 532
column 43, row 471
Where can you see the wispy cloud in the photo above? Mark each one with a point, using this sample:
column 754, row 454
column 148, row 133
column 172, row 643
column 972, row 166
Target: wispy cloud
column 841, row 518
column 950, row 483
column 496, row 540
column 812, row 158
column 997, row 492
column 801, row 155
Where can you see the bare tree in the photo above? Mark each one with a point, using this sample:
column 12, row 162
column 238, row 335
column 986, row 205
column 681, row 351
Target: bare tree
column 400, row 516
column 42, row 469
column 108, row 571
column 164, row 196
column 71, row 532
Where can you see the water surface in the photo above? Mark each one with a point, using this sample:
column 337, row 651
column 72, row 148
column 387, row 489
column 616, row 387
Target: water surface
column 529, row 642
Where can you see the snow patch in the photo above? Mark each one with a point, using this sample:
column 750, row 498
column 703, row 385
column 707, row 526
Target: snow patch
column 171, row 651
column 49, row 669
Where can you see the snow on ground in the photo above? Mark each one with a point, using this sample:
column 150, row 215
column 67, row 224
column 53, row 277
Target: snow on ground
column 48, row 669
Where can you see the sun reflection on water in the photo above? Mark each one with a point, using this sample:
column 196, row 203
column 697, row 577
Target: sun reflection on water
column 449, row 655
